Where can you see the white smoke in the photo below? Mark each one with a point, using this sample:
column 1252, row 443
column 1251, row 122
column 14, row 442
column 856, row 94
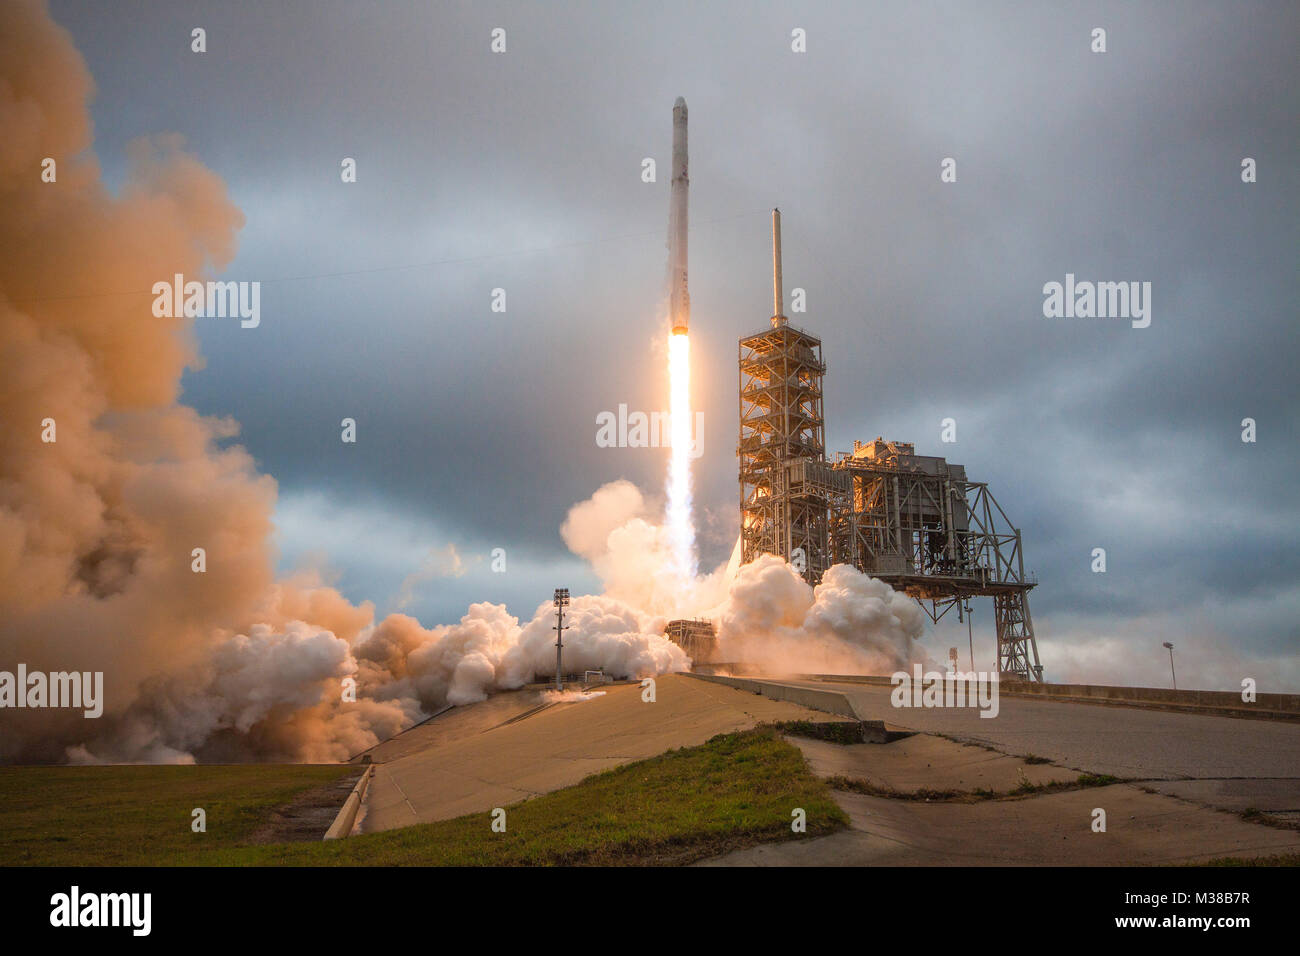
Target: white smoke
column 848, row 624
column 489, row 650
column 276, row 691
column 635, row 557
column 765, row 613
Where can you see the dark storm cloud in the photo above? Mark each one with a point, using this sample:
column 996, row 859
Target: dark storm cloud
column 1122, row 166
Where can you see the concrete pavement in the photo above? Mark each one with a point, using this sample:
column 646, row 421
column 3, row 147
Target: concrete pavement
column 512, row 747
column 901, row 828
column 1196, row 774
column 1055, row 829
column 923, row 762
column 1120, row 741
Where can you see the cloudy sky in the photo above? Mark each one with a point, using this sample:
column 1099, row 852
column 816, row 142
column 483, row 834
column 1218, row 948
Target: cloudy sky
column 522, row 171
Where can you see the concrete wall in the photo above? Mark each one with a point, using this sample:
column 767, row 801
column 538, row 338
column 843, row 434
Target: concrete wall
column 814, row 698
column 1277, row 706
column 347, row 816
column 1264, row 705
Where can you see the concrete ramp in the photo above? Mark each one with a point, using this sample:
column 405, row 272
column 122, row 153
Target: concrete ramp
column 455, row 722
column 474, row 758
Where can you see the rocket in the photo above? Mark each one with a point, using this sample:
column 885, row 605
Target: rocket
column 679, row 297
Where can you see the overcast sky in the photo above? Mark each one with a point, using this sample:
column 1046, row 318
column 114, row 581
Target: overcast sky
column 522, row 171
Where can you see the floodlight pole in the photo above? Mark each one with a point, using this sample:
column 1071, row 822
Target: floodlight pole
column 559, row 645
column 561, row 600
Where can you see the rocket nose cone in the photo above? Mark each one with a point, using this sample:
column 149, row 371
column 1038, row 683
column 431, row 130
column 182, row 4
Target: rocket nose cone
column 680, row 104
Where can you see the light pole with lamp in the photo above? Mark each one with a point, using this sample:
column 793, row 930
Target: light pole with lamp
column 561, row 602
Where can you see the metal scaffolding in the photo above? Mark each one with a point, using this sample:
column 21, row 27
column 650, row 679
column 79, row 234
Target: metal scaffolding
column 696, row 636
column 914, row 521
column 784, row 499
column 917, row 523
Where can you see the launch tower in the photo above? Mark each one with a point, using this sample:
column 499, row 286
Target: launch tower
column 914, row 521
column 786, row 487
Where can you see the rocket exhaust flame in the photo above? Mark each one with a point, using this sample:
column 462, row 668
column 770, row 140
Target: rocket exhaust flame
column 681, row 529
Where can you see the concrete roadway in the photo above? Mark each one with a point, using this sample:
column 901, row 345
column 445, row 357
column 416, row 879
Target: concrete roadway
column 1122, row 741
column 1209, row 763
column 1225, row 762
column 1142, row 830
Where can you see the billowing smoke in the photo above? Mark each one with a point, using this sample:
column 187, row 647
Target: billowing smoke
column 634, row 555
column 848, row 624
column 490, row 650
column 766, row 615
column 98, row 526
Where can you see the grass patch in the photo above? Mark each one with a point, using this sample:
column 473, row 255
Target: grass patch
column 123, row 816
column 1085, row 780
column 1023, row 789
column 734, row 791
column 1035, row 759
column 1097, row 780
column 1283, row 859
column 1256, row 815
column 833, row 731
column 858, row 785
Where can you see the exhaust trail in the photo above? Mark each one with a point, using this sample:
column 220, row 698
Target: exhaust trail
column 681, row 528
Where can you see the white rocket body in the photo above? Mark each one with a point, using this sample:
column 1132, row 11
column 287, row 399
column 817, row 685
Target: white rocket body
column 679, row 298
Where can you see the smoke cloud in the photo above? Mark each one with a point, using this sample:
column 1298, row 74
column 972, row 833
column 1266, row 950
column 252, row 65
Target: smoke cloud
column 617, row 532
column 848, row 624
column 97, row 527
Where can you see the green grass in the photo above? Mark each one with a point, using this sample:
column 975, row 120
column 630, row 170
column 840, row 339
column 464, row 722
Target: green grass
column 843, row 732
column 1085, row 780
column 734, row 791
column 1256, row 815
column 1023, row 789
column 123, row 816
column 1284, row 859
column 924, row 794
column 1097, row 780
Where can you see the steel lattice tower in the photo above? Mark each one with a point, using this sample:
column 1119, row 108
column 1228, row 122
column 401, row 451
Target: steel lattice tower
column 783, row 502
column 916, row 523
